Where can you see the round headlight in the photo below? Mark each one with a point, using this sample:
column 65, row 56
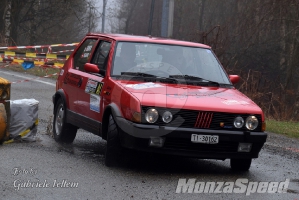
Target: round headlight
column 4, row 95
column 151, row 115
column 167, row 117
column 238, row 122
column 251, row 122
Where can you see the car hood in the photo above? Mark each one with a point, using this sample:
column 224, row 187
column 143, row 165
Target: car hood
column 191, row 97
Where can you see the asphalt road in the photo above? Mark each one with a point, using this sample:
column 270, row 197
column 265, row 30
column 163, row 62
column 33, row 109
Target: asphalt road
column 77, row 171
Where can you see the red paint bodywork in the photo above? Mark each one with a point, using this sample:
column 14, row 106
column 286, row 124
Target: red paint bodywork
column 168, row 95
column 194, row 98
column 185, row 106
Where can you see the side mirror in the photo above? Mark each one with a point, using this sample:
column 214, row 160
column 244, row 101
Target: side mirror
column 88, row 67
column 234, row 78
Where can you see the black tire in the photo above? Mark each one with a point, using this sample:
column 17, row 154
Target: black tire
column 62, row 131
column 113, row 147
column 240, row 164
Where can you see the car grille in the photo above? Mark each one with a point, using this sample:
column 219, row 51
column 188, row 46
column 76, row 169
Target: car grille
column 204, row 119
column 186, row 144
column 201, row 119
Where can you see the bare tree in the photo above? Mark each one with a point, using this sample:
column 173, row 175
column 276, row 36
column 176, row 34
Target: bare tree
column 42, row 21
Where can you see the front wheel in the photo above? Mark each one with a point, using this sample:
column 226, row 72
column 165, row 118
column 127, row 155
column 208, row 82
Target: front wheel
column 62, row 131
column 113, row 147
column 240, row 164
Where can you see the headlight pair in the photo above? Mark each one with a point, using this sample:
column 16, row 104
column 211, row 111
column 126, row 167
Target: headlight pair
column 152, row 115
column 251, row 122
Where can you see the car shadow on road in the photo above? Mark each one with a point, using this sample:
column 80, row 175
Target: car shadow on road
column 136, row 161
column 159, row 163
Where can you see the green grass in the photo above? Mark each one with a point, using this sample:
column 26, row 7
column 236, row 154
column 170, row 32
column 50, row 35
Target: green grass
column 290, row 129
column 37, row 71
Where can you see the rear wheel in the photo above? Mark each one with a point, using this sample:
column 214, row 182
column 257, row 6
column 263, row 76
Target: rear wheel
column 240, row 164
column 62, row 131
column 113, row 147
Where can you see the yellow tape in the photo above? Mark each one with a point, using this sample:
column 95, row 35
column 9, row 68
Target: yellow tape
column 18, row 61
column 8, row 141
column 67, row 56
column 23, row 134
column 39, row 62
column 54, row 56
column 58, row 64
column 9, row 53
column 31, row 55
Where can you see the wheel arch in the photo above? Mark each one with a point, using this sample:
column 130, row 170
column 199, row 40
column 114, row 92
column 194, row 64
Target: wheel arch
column 59, row 94
column 111, row 109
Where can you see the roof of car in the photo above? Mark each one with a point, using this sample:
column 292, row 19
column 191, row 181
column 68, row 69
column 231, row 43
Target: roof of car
column 149, row 39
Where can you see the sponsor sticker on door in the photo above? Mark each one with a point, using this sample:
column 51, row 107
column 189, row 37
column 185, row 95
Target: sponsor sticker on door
column 95, row 102
column 93, row 87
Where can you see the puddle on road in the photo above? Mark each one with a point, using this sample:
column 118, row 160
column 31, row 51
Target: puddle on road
column 84, row 149
column 85, row 145
column 94, row 152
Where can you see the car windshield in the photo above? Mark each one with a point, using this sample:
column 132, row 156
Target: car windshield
column 163, row 60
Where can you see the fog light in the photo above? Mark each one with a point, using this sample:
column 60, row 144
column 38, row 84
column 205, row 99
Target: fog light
column 156, row 142
column 244, row 147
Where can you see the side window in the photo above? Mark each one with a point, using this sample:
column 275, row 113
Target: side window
column 83, row 54
column 101, row 54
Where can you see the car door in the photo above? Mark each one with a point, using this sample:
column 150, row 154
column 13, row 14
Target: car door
column 90, row 92
column 73, row 78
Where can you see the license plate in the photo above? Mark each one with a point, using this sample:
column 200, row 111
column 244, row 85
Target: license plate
column 206, row 139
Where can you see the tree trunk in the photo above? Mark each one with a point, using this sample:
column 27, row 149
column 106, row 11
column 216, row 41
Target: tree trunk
column 7, row 22
column 132, row 8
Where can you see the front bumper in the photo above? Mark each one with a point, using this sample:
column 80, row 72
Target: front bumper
column 178, row 140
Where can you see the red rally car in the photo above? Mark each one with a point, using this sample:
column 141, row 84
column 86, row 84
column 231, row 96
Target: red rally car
column 156, row 95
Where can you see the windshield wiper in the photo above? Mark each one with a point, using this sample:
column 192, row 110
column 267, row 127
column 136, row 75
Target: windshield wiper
column 165, row 79
column 137, row 74
column 150, row 76
column 210, row 82
column 194, row 78
column 186, row 77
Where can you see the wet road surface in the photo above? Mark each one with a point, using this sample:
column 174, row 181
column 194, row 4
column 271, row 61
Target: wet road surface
column 77, row 171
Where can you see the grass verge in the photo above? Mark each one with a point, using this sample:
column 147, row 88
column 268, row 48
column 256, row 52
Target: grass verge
column 290, row 129
column 37, row 71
